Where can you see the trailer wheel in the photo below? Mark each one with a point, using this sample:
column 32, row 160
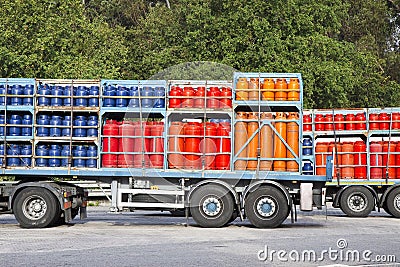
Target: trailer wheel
column 393, row 202
column 211, row 206
column 357, row 202
column 36, row 207
column 266, row 207
column 385, row 208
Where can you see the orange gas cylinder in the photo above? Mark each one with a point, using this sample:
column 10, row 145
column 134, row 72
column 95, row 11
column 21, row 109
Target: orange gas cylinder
column 321, row 154
column 347, row 171
column 292, row 138
column 350, row 125
column 395, row 121
column 208, row 146
column 126, row 144
column 375, row 149
column 226, row 98
column 328, row 122
column 254, row 86
column 268, row 89
column 110, row 144
column 280, row 89
column 222, row 161
column 339, row 119
column 294, row 86
column 188, row 101
column 175, row 102
column 267, row 142
column 240, row 139
column 360, row 160
column 252, row 127
column 361, row 124
column 199, row 101
column 384, row 123
column 176, row 144
column 157, row 146
column 319, row 122
column 242, row 87
column 193, row 137
column 373, row 122
column 213, row 95
column 389, row 159
column 280, row 150
column 307, row 126
column 398, row 160
column 337, row 158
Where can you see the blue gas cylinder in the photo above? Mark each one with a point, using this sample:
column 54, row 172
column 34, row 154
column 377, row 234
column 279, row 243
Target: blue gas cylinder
column 65, row 153
column 92, row 153
column 145, row 93
column 1, row 154
column 27, row 120
column 2, row 121
column 57, row 91
column 92, row 121
column 307, row 168
column 134, row 93
column 123, row 101
column 78, row 153
column 215, row 121
column 80, row 121
column 43, row 91
column 28, row 92
column 66, row 130
column 56, row 121
column 55, row 151
column 109, row 91
column 26, row 152
column 307, row 146
column 42, row 151
column 94, row 101
column 16, row 90
column 13, row 152
column 81, row 91
column 67, row 92
column 14, row 130
column 43, row 120
column 160, row 101
column 3, row 91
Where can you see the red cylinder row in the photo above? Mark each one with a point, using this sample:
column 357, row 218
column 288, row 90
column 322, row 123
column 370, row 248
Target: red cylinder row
column 339, row 122
column 189, row 97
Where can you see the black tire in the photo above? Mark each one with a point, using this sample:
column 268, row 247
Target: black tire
column 36, row 207
column 235, row 214
column 266, row 207
column 393, row 202
column 211, row 206
column 357, row 202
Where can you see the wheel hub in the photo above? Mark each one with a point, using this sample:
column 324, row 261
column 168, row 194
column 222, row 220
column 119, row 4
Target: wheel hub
column 34, row 207
column 357, row 203
column 211, row 206
column 397, row 202
column 266, row 207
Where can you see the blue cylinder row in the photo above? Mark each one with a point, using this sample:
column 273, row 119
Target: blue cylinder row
column 17, row 95
column 17, row 155
column 61, row 126
column 307, row 168
column 149, row 97
column 19, row 125
column 58, row 156
column 61, row 96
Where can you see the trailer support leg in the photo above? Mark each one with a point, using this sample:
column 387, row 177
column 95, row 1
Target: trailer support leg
column 114, row 196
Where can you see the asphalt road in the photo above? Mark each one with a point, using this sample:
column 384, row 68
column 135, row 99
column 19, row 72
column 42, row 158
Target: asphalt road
column 158, row 239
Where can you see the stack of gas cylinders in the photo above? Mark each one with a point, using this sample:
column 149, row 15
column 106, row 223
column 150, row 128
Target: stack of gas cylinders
column 134, row 97
column 78, row 96
column 18, row 155
column 279, row 89
column 17, row 125
column 337, row 122
column 270, row 145
column 17, row 95
column 213, row 97
column 57, row 126
column 55, row 155
column 351, row 159
column 133, row 144
column 197, row 146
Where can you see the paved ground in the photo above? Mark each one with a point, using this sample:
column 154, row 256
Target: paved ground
column 157, row 239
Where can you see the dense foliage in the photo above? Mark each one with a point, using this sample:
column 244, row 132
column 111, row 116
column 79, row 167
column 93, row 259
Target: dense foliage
column 347, row 51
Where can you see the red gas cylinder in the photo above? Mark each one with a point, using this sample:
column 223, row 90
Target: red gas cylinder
column 200, row 100
column 339, row 119
column 188, row 101
column 360, row 160
column 175, row 102
column 389, row 159
column 208, row 146
column 157, row 145
column 328, row 122
column 376, row 160
column 307, row 126
column 398, row 160
column 373, row 122
column 350, row 125
column 396, row 121
column 226, row 97
column 142, row 145
column 321, row 154
column 360, row 118
column 384, row 123
column 110, row 144
column 347, row 171
column 193, row 133
column 176, row 143
column 126, row 144
column 222, row 161
column 213, row 95
column 336, row 156
column 319, row 122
